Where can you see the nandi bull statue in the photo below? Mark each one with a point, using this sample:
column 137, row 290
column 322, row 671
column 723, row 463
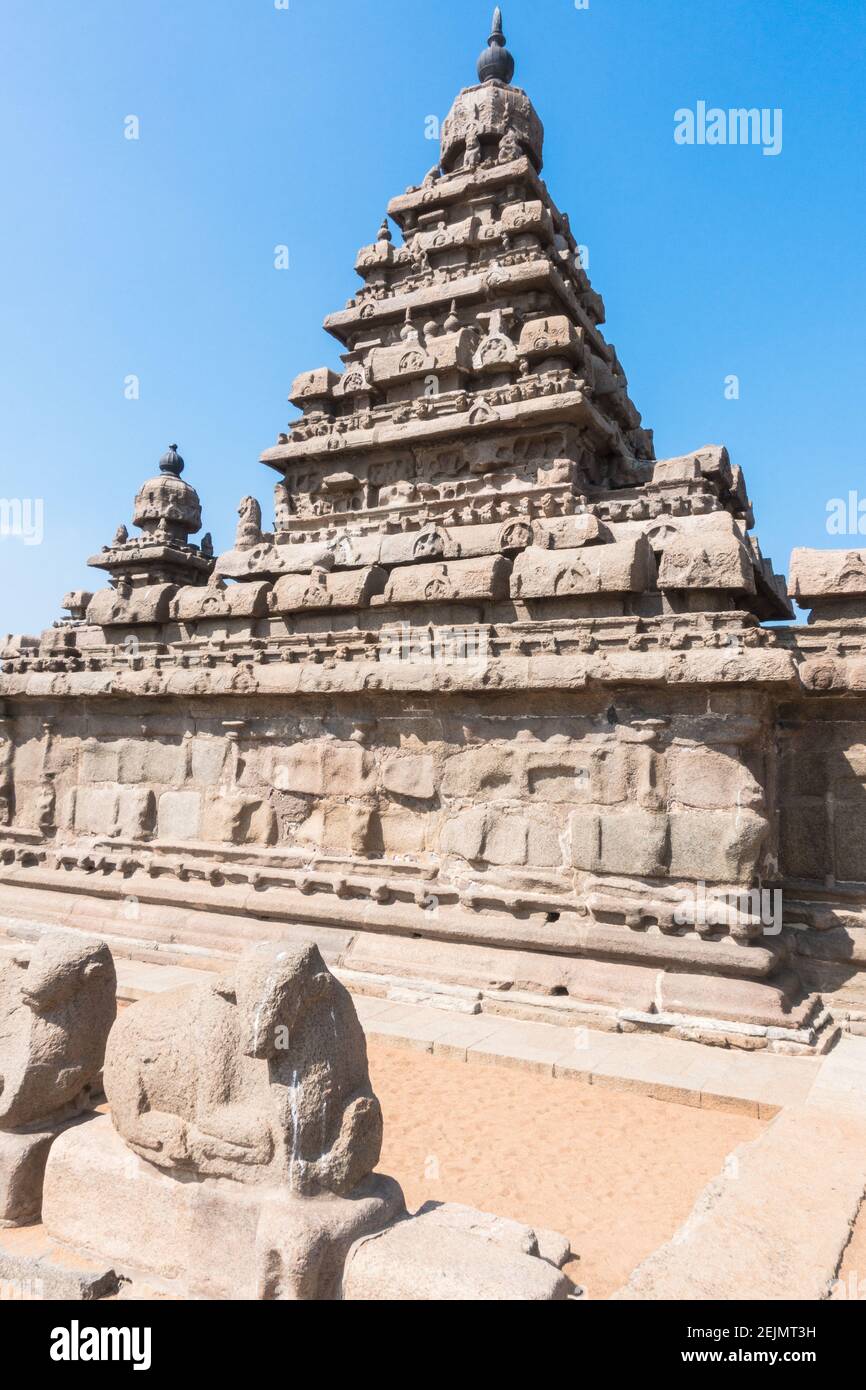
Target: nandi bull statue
column 57, row 1005
column 260, row 1077
column 237, row 1161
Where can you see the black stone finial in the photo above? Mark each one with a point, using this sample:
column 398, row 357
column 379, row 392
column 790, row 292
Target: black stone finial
column 496, row 63
column 171, row 461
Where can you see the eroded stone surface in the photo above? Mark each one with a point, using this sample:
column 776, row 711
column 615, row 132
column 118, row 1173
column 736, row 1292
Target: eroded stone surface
column 431, row 1260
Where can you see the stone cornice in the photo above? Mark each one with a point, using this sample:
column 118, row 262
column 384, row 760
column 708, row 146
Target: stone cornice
column 569, row 407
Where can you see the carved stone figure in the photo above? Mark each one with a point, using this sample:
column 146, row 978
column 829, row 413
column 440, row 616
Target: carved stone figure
column 57, row 1006
column 472, row 156
column 261, row 1077
column 282, row 507
column 46, row 804
column 249, row 532
column 509, row 147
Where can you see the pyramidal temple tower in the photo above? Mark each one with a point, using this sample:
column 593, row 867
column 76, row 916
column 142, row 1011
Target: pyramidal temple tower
column 491, row 711
column 480, row 443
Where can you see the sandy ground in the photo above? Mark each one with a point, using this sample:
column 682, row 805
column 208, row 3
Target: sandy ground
column 617, row 1173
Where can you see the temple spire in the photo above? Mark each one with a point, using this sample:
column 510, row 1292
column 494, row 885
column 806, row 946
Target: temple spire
column 496, row 63
column 171, row 461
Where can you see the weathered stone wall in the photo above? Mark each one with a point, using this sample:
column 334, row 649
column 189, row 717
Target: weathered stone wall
column 543, row 843
column 560, row 784
column 822, row 753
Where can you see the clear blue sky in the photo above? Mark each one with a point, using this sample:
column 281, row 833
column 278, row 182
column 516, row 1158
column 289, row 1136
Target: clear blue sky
column 262, row 126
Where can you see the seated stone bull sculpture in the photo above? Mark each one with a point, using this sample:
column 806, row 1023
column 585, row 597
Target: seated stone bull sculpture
column 56, row 1010
column 261, row 1077
column 57, row 1005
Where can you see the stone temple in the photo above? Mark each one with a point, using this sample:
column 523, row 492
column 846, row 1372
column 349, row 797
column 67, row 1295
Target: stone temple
column 493, row 704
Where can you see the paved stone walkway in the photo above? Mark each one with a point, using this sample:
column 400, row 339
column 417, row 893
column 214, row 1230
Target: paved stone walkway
column 774, row 1225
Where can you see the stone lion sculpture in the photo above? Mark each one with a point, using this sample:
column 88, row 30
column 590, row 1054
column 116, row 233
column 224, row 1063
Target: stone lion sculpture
column 56, row 1011
column 260, row 1077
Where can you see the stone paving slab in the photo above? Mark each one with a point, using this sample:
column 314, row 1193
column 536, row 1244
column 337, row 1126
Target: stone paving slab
column 774, row 1225
column 136, row 979
column 526, row 1046
column 457, row 1041
column 663, row 1068
column 840, row 1084
column 410, row 1025
column 368, row 1006
column 33, row 1266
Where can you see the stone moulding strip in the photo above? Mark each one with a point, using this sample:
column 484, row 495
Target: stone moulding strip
column 760, row 668
column 124, row 948
column 589, row 939
column 566, row 1012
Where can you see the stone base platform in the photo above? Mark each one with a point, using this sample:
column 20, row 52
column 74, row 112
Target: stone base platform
column 23, row 1156
column 468, row 962
column 204, row 1238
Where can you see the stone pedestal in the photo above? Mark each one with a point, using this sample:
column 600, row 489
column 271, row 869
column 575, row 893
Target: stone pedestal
column 23, row 1156
column 204, row 1237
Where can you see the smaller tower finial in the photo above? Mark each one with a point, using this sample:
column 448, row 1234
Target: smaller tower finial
column 171, row 461
column 496, row 63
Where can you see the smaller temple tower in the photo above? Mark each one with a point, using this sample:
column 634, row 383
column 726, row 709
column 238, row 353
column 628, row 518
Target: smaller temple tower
column 146, row 569
column 167, row 511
